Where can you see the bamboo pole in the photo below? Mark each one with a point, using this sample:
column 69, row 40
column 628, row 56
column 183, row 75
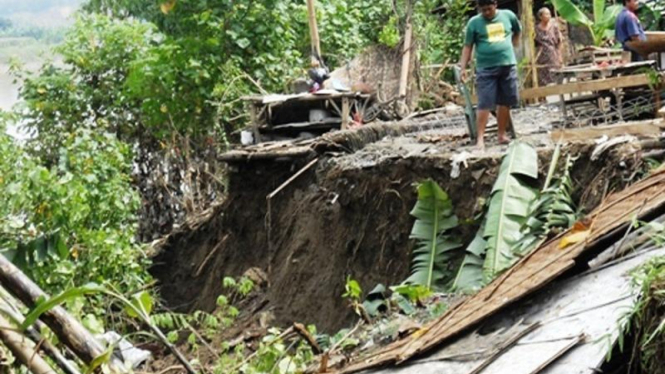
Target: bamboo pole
column 406, row 52
column 69, row 330
column 313, row 28
column 529, row 37
column 23, row 349
column 7, row 307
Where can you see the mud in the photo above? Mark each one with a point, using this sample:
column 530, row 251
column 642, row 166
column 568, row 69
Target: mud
column 348, row 216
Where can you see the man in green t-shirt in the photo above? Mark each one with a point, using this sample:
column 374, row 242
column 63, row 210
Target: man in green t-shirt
column 494, row 33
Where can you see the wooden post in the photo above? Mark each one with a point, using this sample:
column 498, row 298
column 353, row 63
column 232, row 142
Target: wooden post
column 313, row 28
column 69, row 330
column 254, row 118
column 406, row 52
column 529, row 37
column 346, row 111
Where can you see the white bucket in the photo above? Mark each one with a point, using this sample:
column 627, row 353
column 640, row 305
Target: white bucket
column 246, row 137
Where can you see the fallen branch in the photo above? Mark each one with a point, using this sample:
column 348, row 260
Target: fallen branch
column 302, row 331
column 209, row 256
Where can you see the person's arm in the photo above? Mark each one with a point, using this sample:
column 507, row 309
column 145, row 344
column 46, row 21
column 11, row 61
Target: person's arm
column 517, row 29
column 516, row 39
column 469, row 40
column 559, row 44
column 464, row 61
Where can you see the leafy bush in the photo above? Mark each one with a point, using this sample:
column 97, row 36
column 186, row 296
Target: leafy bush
column 72, row 222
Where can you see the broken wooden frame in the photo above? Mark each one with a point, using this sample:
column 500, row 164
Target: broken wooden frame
column 263, row 108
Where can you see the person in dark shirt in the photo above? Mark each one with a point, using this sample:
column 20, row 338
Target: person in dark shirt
column 628, row 27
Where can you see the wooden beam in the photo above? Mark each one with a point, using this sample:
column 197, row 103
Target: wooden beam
column 313, row 28
column 648, row 128
column 586, row 86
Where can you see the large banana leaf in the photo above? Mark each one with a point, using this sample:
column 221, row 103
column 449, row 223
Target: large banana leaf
column 598, row 11
column 571, row 13
column 509, row 207
column 608, row 17
column 469, row 277
column 434, row 249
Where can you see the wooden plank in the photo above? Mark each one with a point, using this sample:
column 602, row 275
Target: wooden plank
column 640, row 128
column 586, row 86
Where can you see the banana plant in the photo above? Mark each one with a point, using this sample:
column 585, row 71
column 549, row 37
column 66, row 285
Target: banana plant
column 511, row 197
column 602, row 24
column 435, row 247
column 553, row 211
column 469, row 277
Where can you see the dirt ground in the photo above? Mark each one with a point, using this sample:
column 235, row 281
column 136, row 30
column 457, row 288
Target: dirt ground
column 348, row 216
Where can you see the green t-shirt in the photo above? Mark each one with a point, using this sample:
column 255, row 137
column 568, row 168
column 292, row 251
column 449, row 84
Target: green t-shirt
column 493, row 39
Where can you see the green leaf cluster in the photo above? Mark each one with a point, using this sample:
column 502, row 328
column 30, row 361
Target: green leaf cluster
column 601, row 26
column 435, row 247
column 553, row 211
column 71, row 222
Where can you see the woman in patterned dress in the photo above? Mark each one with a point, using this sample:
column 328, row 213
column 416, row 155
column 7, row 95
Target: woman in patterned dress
column 548, row 43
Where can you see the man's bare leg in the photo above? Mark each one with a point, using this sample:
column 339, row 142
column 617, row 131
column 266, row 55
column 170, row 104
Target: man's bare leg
column 503, row 116
column 481, row 122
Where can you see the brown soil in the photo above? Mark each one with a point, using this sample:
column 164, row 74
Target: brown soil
column 333, row 221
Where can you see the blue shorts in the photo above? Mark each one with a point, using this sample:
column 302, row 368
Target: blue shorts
column 496, row 86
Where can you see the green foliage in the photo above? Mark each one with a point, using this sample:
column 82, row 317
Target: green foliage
column 644, row 321
column 352, row 289
column 212, row 52
column 508, row 207
column 73, row 222
column 553, row 211
column 441, row 37
column 414, row 293
column 604, row 17
column 42, row 306
column 389, row 35
column 435, row 247
column 469, row 278
column 273, row 355
column 90, row 90
column 141, row 301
